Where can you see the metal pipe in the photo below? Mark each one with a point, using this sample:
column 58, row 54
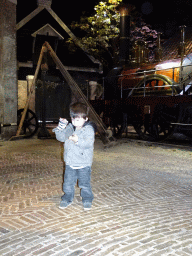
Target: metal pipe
column 182, row 50
column 144, row 82
column 124, row 51
column 173, row 81
column 182, row 33
column 158, row 51
column 103, row 97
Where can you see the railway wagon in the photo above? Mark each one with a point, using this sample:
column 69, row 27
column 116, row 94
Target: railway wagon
column 154, row 97
column 155, row 101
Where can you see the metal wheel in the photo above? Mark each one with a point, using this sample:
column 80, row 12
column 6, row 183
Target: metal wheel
column 118, row 124
column 117, row 130
column 187, row 121
column 30, row 124
column 160, row 127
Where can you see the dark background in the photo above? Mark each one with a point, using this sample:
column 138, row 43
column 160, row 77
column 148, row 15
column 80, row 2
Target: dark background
column 164, row 16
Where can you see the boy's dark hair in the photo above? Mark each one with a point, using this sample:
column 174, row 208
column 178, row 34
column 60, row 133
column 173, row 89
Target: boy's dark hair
column 79, row 109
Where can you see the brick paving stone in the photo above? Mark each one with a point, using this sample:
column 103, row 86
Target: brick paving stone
column 6, row 250
column 29, row 251
column 181, row 253
column 142, row 203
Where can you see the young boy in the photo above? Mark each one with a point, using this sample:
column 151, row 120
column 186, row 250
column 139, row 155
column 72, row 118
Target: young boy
column 78, row 139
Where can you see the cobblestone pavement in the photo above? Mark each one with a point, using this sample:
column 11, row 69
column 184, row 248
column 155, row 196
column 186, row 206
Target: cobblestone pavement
column 142, row 204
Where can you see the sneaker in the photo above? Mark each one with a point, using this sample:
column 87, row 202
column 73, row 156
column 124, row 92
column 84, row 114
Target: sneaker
column 64, row 204
column 87, row 206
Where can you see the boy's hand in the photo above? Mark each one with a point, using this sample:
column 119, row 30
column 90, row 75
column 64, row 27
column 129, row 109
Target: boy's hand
column 62, row 123
column 74, row 138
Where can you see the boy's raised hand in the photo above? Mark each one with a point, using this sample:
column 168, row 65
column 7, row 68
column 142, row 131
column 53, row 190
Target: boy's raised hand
column 62, row 124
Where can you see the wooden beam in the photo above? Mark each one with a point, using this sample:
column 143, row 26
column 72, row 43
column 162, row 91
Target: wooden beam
column 29, row 17
column 43, row 49
column 62, row 24
column 101, row 128
column 75, row 39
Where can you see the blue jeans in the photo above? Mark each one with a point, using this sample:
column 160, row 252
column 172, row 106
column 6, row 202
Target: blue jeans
column 84, row 181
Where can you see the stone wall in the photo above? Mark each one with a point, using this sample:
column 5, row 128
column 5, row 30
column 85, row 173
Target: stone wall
column 8, row 68
column 23, row 92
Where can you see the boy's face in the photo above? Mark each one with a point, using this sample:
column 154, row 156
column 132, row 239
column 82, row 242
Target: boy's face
column 79, row 121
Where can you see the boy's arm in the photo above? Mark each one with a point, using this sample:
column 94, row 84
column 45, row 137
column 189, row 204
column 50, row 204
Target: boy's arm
column 63, row 135
column 87, row 139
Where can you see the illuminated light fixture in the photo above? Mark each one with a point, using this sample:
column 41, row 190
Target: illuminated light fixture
column 125, row 9
column 168, row 65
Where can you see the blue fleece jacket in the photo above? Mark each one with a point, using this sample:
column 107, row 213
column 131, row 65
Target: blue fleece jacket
column 80, row 153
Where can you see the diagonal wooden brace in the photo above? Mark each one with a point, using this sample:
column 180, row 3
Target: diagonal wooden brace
column 43, row 49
